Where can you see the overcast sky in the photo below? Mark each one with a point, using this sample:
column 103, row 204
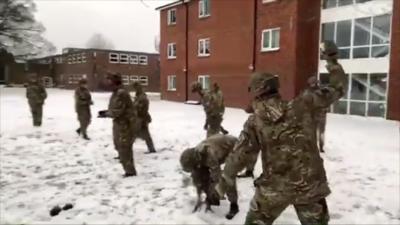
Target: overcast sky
column 129, row 24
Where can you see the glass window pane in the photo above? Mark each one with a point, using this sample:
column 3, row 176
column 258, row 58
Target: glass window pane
column 376, row 109
column 275, row 38
column 324, row 79
column 266, row 39
column 329, row 4
column 359, row 84
column 362, row 34
column 381, row 29
column 344, row 53
column 361, row 53
column 340, row 107
column 345, row 2
column 362, row 1
column 343, row 33
column 357, row 108
column 328, row 32
column 377, row 90
column 381, row 51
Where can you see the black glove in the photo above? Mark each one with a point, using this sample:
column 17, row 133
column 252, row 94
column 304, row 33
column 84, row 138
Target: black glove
column 102, row 114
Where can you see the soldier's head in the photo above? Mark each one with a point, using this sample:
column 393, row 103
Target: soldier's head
column 196, row 87
column 263, row 84
column 329, row 50
column 215, row 87
column 33, row 78
column 114, row 79
column 136, row 86
column 83, row 82
column 189, row 160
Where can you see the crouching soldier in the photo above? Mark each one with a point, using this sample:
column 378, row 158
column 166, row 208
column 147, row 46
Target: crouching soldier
column 83, row 100
column 203, row 162
column 141, row 104
column 121, row 110
column 36, row 94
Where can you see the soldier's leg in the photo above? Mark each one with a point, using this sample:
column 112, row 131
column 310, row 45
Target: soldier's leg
column 126, row 153
column 147, row 138
column 313, row 213
column 265, row 207
column 84, row 123
column 251, row 163
column 34, row 112
column 232, row 194
column 40, row 114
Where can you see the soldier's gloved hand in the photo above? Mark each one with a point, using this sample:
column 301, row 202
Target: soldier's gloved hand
column 102, row 114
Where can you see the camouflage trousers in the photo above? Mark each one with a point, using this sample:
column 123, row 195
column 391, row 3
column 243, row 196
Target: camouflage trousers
column 84, row 118
column 37, row 113
column 122, row 135
column 213, row 124
column 144, row 134
column 266, row 206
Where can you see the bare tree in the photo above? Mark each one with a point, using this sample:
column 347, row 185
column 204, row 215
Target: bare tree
column 157, row 43
column 99, row 41
column 20, row 33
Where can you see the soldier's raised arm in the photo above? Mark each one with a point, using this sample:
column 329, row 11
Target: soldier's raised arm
column 325, row 96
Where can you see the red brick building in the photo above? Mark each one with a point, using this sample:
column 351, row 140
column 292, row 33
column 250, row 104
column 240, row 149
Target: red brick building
column 67, row 69
column 224, row 41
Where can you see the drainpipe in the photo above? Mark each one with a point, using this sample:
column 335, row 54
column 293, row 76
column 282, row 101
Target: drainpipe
column 253, row 68
column 186, row 69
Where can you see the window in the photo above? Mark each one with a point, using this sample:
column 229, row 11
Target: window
column 78, row 58
column 172, row 83
column 123, row 59
column 125, row 79
column 270, row 40
column 133, row 78
column 144, row 80
column 171, row 51
column 268, row 1
column 365, row 95
column 83, row 57
column 113, row 58
column 171, row 16
column 338, row 3
column 370, row 38
column 204, row 47
column 204, row 8
column 204, row 80
column 143, row 60
column 133, row 59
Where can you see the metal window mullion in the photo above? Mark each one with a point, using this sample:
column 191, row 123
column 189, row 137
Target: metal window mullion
column 352, row 38
column 368, row 87
column 371, row 36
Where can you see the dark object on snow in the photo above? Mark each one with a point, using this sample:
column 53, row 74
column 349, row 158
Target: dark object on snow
column 233, row 211
column 67, row 206
column 55, row 211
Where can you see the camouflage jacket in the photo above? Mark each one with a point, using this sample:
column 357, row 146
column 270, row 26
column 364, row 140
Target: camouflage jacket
column 36, row 93
column 141, row 104
column 120, row 107
column 213, row 103
column 213, row 151
column 285, row 132
column 83, row 99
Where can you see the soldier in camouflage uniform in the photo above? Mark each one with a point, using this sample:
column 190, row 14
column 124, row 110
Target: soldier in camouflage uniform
column 141, row 104
column 122, row 111
column 319, row 116
column 293, row 171
column 213, row 104
column 83, row 100
column 36, row 94
column 203, row 162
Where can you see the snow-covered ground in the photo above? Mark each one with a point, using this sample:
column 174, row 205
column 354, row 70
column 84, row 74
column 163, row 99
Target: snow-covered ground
column 51, row 165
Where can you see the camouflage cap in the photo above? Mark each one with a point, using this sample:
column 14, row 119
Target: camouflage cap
column 261, row 83
column 195, row 86
column 188, row 159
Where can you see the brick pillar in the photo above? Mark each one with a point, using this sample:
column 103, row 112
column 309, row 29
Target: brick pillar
column 394, row 77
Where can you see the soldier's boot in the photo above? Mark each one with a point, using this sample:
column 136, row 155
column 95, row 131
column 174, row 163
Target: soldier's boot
column 232, row 211
column 131, row 173
column 224, row 131
column 150, row 144
column 86, row 137
column 247, row 173
column 78, row 131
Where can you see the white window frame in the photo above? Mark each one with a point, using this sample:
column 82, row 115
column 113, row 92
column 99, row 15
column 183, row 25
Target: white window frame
column 170, row 86
column 112, row 56
column 171, row 51
column 125, row 79
column 123, row 58
column 133, row 78
column 202, row 9
column 78, row 58
column 84, row 59
column 202, row 80
column 169, row 17
column 144, row 58
column 202, row 46
column 144, row 80
column 133, row 59
column 268, row 1
column 269, row 32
